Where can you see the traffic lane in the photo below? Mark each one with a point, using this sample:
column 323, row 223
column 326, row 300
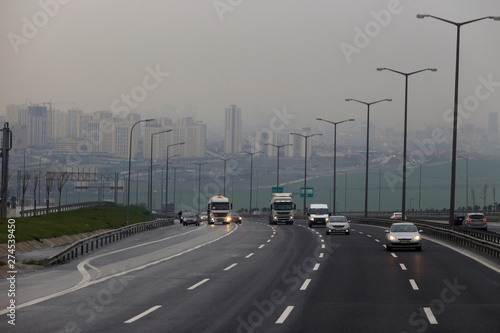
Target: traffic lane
column 358, row 288
column 462, row 293
column 103, row 306
column 446, row 286
column 235, row 297
column 34, row 286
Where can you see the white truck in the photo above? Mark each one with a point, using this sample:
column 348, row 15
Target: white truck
column 317, row 214
column 281, row 208
column 218, row 209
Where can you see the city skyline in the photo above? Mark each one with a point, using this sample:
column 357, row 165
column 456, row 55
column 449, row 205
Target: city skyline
column 300, row 62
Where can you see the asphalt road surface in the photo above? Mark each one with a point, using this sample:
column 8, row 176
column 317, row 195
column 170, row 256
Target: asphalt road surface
column 255, row 277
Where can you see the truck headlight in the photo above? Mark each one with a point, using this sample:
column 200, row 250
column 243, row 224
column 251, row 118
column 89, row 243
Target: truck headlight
column 275, row 217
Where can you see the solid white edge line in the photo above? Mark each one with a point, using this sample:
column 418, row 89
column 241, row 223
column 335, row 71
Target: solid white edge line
column 139, row 316
column 413, row 284
column 430, row 316
column 230, row 266
column 284, row 315
column 305, row 284
column 198, row 284
column 403, row 267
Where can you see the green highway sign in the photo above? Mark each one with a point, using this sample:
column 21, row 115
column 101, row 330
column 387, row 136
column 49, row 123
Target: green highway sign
column 309, row 192
column 280, row 189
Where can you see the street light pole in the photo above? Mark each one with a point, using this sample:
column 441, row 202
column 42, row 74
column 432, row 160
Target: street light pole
column 455, row 106
column 225, row 160
column 466, row 182
column 251, row 175
column 406, row 75
column 130, row 164
column 334, row 157
column 199, row 183
column 166, row 179
column 367, row 143
column 278, row 167
column 150, row 192
column 305, row 167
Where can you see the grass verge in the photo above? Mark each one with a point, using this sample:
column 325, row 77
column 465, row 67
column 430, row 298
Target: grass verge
column 72, row 222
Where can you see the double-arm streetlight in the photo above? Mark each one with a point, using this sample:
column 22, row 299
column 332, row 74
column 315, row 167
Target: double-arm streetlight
column 367, row 142
column 130, row 164
column 151, row 172
column 455, row 106
column 305, row 166
column 278, row 167
column 334, row 157
column 166, row 179
column 225, row 160
column 199, row 182
column 251, row 175
column 406, row 75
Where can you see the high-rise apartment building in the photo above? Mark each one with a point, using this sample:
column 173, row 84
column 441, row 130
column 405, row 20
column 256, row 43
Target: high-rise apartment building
column 232, row 139
column 264, row 138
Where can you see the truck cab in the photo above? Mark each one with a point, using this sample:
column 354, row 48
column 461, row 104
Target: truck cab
column 218, row 209
column 281, row 208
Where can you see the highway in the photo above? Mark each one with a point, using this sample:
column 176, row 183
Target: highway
column 255, row 277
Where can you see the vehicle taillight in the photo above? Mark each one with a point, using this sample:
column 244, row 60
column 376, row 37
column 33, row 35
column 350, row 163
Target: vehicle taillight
column 469, row 220
column 484, row 220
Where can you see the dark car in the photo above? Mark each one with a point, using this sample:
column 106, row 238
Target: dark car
column 189, row 218
column 459, row 219
column 234, row 217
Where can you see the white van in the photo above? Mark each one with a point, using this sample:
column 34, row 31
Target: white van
column 317, row 214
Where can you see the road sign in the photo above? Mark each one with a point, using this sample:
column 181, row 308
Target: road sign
column 280, row 189
column 309, row 192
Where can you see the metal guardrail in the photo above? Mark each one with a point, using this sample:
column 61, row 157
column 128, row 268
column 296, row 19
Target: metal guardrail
column 488, row 245
column 88, row 244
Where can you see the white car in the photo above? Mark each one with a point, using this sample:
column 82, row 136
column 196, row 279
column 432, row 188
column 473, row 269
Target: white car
column 397, row 216
column 403, row 235
column 338, row 224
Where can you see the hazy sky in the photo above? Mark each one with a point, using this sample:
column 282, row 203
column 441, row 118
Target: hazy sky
column 300, row 58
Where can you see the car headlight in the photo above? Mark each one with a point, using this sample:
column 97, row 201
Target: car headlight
column 311, row 219
column 417, row 237
column 391, row 237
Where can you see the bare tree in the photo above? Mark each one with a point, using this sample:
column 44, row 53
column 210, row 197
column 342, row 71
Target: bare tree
column 484, row 195
column 48, row 187
column 36, row 181
column 26, row 181
column 62, row 178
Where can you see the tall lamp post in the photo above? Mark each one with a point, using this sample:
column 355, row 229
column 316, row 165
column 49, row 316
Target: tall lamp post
column 455, row 106
column 305, row 166
column 166, row 179
column 225, row 160
column 334, row 157
column 345, row 192
column 130, row 164
column 199, row 182
column 466, row 182
column 251, row 175
column 150, row 192
column 278, row 167
column 367, row 142
column 406, row 75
